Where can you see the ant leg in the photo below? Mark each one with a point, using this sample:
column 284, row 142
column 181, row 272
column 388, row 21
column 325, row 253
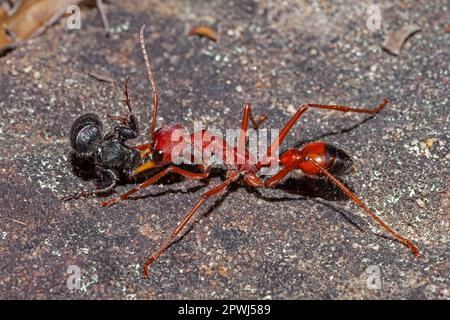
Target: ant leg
column 142, row 147
column 356, row 200
column 152, row 82
column 121, row 118
column 276, row 144
column 253, row 180
column 278, row 176
column 247, row 115
column 258, row 121
column 350, row 109
column 85, row 194
column 154, row 179
column 130, row 128
column 233, row 176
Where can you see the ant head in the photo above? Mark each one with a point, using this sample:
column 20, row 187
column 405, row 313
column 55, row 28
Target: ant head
column 166, row 138
column 160, row 153
column 86, row 133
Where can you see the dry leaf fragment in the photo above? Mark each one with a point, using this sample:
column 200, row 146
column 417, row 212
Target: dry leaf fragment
column 3, row 11
column 29, row 18
column 447, row 29
column 395, row 40
column 204, row 32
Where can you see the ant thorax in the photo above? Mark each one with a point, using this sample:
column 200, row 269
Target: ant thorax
column 214, row 148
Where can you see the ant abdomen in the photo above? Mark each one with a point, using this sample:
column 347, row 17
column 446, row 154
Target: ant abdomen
column 86, row 132
column 326, row 155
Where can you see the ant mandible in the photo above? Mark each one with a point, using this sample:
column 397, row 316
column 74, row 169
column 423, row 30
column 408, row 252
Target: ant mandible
column 314, row 159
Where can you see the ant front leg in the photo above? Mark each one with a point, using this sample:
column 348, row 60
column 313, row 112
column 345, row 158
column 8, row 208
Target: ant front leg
column 153, row 180
column 280, row 175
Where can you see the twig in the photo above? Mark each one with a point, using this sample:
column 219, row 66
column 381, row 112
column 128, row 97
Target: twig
column 17, row 221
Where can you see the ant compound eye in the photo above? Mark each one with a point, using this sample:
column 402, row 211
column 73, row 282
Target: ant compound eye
column 85, row 133
column 158, row 156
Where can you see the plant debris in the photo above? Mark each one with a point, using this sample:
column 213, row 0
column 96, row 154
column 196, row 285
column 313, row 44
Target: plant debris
column 447, row 29
column 25, row 19
column 420, row 203
column 17, row 221
column 395, row 40
column 100, row 76
column 204, row 32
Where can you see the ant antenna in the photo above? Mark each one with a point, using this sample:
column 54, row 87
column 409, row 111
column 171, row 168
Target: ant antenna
column 152, row 82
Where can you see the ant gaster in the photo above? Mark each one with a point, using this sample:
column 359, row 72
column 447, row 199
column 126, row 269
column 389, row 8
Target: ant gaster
column 316, row 159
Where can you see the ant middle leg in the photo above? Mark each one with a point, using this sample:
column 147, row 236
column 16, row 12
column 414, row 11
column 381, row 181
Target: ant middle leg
column 129, row 128
column 154, row 179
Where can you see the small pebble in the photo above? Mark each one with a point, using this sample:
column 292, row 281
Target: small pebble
column 27, row 69
column 430, row 142
column 313, row 52
column 239, row 89
column 420, row 203
column 355, row 245
column 291, row 109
